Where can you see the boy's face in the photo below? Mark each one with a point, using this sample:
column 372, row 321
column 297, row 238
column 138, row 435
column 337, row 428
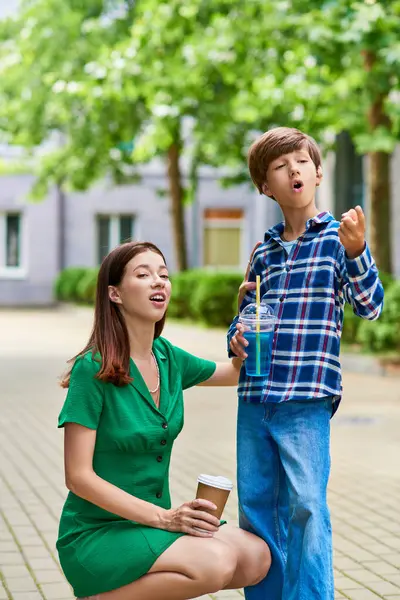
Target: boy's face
column 292, row 179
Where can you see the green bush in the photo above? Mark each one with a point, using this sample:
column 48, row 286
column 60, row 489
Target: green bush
column 184, row 289
column 65, row 287
column 86, row 288
column 351, row 325
column 383, row 334
column 360, row 331
column 214, row 302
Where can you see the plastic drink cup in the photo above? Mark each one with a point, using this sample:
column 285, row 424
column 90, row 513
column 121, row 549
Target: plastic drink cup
column 216, row 490
column 259, row 324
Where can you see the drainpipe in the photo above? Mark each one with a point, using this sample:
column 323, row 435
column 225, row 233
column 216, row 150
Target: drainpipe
column 61, row 214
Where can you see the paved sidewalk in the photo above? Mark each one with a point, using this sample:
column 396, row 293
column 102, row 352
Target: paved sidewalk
column 364, row 488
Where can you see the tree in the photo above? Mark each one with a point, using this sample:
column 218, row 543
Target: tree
column 141, row 77
column 325, row 67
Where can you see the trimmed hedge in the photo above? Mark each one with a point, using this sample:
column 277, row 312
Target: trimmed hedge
column 66, row 284
column 205, row 296
column 210, row 297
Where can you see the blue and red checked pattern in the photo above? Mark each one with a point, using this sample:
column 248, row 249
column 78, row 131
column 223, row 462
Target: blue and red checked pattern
column 307, row 290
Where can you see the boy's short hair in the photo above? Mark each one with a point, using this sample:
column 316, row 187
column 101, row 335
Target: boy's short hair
column 272, row 144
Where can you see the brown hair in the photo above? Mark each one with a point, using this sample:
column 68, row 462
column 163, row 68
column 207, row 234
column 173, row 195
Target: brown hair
column 109, row 335
column 273, row 144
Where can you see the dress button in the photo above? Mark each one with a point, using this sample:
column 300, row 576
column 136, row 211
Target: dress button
column 159, row 458
column 164, row 425
column 158, row 495
column 287, row 268
column 163, row 442
column 281, row 299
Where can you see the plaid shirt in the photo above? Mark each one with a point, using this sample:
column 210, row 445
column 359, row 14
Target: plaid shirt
column 307, row 290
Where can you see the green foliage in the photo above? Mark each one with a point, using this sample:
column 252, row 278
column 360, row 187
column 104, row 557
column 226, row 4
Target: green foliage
column 215, row 301
column 67, row 282
column 86, row 287
column 184, row 290
column 205, row 296
column 380, row 335
column 113, row 82
column 351, row 325
column 384, row 334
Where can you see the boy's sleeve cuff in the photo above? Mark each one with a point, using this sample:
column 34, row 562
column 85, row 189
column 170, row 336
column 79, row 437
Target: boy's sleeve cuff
column 232, row 330
column 360, row 265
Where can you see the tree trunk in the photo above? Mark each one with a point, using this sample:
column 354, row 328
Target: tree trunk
column 379, row 185
column 177, row 197
column 380, row 223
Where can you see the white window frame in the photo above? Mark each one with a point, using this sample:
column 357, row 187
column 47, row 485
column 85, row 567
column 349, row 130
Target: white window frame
column 21, row 271
column 225, row 224
column 115, row 229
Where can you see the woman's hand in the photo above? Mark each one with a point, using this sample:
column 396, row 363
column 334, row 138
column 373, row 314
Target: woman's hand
column 190, row 518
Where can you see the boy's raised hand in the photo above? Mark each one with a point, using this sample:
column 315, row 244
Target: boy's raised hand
column 238, row 342
column 352, row 232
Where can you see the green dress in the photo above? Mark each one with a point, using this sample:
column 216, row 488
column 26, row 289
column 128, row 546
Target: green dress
column 98, row 550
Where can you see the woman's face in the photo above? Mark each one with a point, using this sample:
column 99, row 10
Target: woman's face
column 145, row 289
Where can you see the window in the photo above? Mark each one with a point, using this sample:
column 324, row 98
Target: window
column 11, row 242
column 223, row 232
column 113, row 230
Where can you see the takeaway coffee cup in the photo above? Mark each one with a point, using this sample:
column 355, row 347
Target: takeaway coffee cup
column 216, row 490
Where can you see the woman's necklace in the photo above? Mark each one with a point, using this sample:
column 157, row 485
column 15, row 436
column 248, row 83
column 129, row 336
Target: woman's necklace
column 158, row 376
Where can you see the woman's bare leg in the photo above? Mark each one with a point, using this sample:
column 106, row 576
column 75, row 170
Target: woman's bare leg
column 253, row 556
column 189, row 568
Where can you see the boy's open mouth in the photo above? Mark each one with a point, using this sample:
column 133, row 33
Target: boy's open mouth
column 297, row 185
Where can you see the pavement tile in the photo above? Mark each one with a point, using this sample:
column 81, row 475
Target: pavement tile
column 21, row 584
column 381, row 568
column 56, row 591
column 345, row 583
column 3, row 593
column 36, row 552
column 10, row 558
column 384, row 587
column 27, row 596
column 49, row 576
column 363, row 594
column 362, row 575
column 11, row 571
column 43, row 563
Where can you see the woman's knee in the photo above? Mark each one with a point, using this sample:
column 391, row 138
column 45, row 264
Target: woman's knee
column 261, row 561
column 218, row 567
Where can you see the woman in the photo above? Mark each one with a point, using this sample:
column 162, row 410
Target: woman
column 119, row 538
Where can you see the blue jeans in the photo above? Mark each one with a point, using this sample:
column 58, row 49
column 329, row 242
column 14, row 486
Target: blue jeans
column 283, row 471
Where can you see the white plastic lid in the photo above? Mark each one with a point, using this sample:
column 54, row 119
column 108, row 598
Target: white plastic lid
column 223, row 483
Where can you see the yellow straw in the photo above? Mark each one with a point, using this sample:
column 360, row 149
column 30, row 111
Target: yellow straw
column 258, row 345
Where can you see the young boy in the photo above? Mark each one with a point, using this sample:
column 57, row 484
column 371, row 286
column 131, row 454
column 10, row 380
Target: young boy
column 309, row 266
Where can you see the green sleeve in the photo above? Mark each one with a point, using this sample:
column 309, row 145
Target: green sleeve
column 84, row 401
column 193, row 369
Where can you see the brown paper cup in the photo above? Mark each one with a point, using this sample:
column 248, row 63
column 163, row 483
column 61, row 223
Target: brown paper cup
column 216, row 490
